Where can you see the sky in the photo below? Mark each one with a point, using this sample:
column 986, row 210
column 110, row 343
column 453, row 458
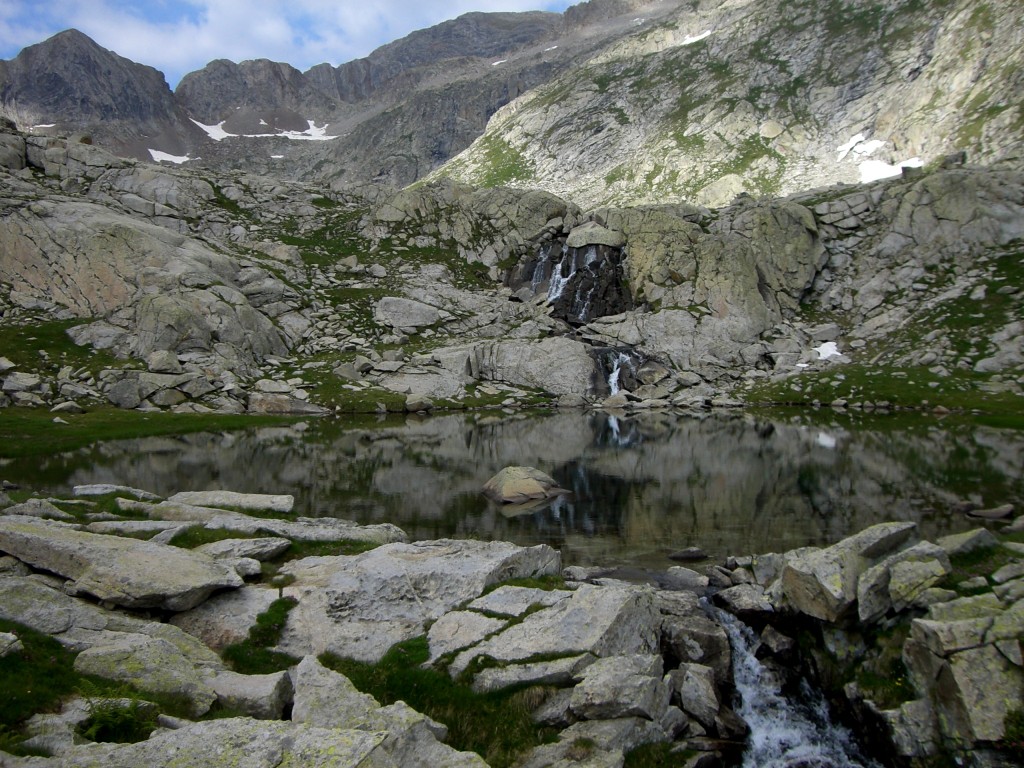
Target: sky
column 181, row 36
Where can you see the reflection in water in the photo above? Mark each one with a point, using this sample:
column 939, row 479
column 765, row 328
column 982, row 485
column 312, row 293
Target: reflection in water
column 642, row 486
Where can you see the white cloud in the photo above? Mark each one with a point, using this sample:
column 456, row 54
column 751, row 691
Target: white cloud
column 179, row 37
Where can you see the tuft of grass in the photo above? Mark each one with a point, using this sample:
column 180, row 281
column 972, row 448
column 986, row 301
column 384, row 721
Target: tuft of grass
column 37, row 678
column 119, row 721
column 253, row 656
column 497, row 726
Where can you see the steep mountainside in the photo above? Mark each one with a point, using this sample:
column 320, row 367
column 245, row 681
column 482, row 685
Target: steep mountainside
column 766, row 98
column 69, row 84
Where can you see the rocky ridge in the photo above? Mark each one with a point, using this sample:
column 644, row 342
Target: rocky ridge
column 614, row 665
column 245, row 293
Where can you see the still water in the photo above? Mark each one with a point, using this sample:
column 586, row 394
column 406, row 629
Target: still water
column 642, row 486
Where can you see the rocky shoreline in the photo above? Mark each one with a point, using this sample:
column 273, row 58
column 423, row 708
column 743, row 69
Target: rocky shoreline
column 611, row 664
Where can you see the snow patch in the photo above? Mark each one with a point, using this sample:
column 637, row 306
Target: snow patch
column 277, row 157
column 827, row 350
column 553, row 47
column 159, row 157
column 873, row 170
column 215, row 132
column 496, row 63
column 313, row 133
column 691, row 39
column 44, row 125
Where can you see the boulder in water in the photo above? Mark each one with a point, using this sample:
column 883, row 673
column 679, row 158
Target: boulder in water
column 514, row 485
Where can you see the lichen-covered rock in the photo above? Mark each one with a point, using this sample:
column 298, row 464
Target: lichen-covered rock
column 228, row 742
column 150, row 664
column 621, row 686
column 823, row 583
column 605, row 621
column 263, row 697
column 116, row 569
column 361, row 605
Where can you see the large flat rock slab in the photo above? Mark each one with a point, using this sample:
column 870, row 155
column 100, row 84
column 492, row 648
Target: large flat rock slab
column 126, row 572
column 359, row 606
column 231, row 742
column 604, row 621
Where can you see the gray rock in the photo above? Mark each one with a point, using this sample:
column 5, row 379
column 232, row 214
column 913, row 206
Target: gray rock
column 899, row 578
column 116, row 569
column 622, row 686
column 163, row 361
column 226, row 618
column 257, row 501
column 694, row 685
column 697, row 639
column 457, row 630
column 515, row 485
column 38, row 508
column 515, row 601
column 361, row 605
column 558, row 672
column 151, row 665
column 9, row 644
column 744, row 599
column 234, row 741
column 962, row 543
column 605, row 621
column 823, row 583
column 263, row 697
column 258, row 549
column 406, row 313
column 102, row 489
column 328, row 699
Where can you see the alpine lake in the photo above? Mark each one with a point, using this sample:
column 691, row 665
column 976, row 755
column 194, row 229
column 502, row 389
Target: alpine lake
column 641, row 486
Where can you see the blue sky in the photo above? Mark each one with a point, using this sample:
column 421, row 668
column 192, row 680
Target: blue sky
column 180, row 36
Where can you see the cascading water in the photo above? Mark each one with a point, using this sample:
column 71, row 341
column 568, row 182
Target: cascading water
column 558, row 280
column 783, row 733
column 615, row 377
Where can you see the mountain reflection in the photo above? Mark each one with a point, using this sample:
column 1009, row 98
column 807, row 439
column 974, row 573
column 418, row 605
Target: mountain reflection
column 641, row 485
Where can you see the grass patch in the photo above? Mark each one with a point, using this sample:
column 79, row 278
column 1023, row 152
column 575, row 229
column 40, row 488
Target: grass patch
column 119, row 721
column 980, row 562
column 253, row 656
column 547, row 583
column 28, row 432
column 502, row 164
column 23, row 345
column 497, row 726
column 35, row 679
column 657, row 756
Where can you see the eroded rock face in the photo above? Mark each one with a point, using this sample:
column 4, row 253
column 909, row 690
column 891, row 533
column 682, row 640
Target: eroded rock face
column 116, row 569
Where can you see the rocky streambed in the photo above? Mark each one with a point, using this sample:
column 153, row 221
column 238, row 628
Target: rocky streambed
column 274, row 639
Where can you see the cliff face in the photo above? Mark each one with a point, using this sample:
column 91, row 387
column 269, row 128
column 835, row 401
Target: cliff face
column 765, row 98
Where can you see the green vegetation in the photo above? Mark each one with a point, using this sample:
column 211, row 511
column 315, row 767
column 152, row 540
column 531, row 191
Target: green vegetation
column 657, row 756
column 46, row 344
column 497, row 726
column 118, row 720
column 503, row 164
column 35, row 679
column 253, row 656
column 28, row 432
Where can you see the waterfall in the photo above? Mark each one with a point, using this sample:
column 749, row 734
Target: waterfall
column 783, row 733
column 558, row 282
column 614, row 378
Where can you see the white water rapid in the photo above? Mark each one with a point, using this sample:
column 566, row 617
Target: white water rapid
column 784, row 733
